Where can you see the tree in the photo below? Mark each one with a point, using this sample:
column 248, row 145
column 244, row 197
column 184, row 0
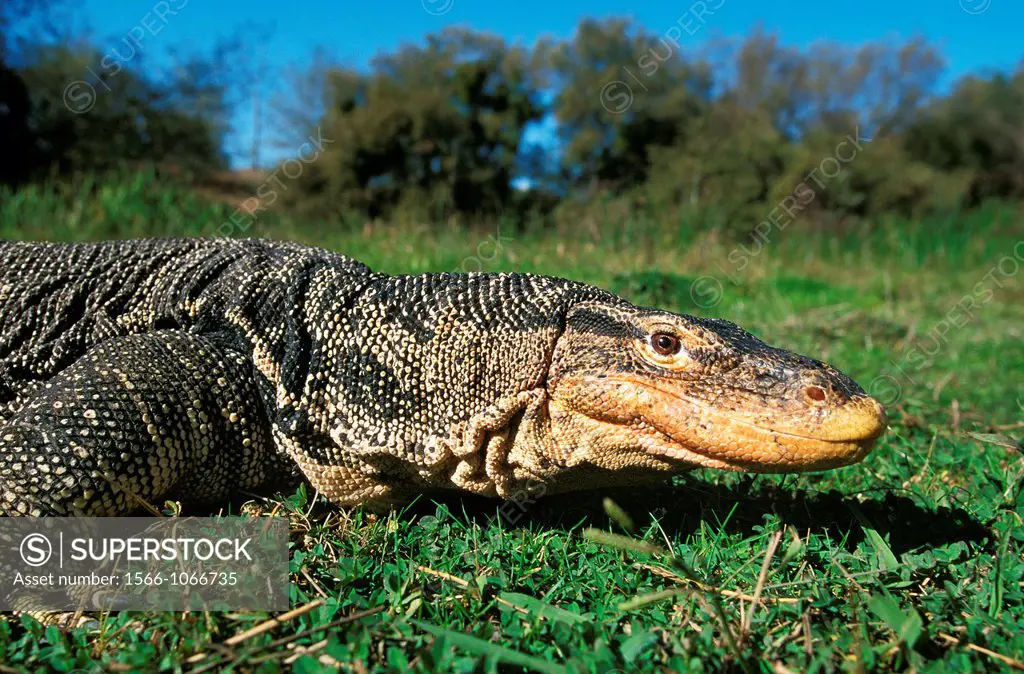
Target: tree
column 439, row 125
column 82, row 123
column 979, row 130
column 620, row 93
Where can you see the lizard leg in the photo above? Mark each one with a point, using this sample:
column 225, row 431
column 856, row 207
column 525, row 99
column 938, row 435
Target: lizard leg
column 136, row 419
column 350, row 480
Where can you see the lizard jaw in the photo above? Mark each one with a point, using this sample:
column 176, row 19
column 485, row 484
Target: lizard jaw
column 759, row 450
column 759, row 443
column 681, row 430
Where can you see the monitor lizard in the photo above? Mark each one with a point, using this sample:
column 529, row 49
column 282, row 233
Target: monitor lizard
column 134, row 371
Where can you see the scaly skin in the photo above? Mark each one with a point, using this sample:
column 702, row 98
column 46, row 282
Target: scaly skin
column 136, row 371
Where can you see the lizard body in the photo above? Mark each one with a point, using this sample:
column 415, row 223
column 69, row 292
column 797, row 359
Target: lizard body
column 139, row 370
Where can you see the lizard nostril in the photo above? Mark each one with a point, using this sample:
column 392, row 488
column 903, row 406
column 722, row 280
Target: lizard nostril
column 815, row 393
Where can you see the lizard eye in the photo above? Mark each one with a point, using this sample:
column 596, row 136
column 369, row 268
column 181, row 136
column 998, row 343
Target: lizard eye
column 665, row 344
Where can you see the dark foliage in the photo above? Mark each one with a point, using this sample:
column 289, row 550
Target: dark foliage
column 743, row 134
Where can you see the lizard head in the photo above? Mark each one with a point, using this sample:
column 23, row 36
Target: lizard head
column 655, row 391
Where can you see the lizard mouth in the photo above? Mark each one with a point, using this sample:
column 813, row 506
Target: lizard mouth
column 741, row 434
column 737, row 445
column 761, row 443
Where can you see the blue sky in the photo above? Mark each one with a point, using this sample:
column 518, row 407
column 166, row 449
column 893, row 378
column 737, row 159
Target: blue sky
column 973, row 34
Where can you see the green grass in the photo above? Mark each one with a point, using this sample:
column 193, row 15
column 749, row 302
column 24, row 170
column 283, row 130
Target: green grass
column 913, row 559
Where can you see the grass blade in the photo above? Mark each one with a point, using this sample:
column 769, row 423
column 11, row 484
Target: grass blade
column 542, row 609
column 491, row 650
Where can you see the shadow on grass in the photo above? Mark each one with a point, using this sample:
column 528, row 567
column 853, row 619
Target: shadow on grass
column 737, row 508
